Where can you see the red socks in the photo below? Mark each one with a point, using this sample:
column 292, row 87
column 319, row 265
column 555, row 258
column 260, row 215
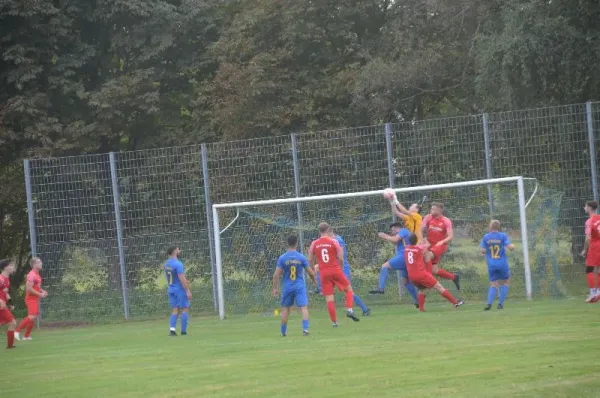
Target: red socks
column 590, row 280
column 10, row 337
column 331, row 309
column 29, row 328
column 421, row 301
column 24, row 323
column 349, row 299
column 448, row 296
column 598, row 280
column 442, row 273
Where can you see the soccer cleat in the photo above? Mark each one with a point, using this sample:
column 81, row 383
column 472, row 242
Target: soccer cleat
column 334, row 324
column 500, row 307
column 283, row 335
column 172, row 333
column 457, row 281
column 460, row 302
column 352, row 315
column 305, row 333
column 376, row 291
column 416, row 306
column 367, row 312
column 184, row 333
column 27, row 339
column 10, row 348
column 589, row 299
column 487, row 307
column 595, row 299
column 17, row 336
column 316, row 291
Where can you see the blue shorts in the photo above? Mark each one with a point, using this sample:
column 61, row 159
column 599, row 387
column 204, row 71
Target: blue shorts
column 294, row 294
column 498, row 273
column 397, row 264
column 178, row 299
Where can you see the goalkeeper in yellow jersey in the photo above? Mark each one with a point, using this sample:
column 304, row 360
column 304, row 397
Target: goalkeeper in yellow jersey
column 411, row 217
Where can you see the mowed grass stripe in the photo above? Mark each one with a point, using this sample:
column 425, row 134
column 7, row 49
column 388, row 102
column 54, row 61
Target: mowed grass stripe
column 530, row 349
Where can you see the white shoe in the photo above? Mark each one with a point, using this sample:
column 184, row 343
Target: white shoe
column 590, row 298
column 27, row 339
column 17, row 336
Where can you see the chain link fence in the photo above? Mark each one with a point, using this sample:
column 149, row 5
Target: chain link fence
column 102, row 223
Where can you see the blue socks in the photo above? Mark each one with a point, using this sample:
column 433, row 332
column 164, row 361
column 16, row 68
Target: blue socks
column 283, row 329
column 360, row 303
column 184, row 322
column 318, row 282
column 412, row 290
column 383, row 275
column 492, row 292
column 173, row 321
column 305, row 325
column 503, row 294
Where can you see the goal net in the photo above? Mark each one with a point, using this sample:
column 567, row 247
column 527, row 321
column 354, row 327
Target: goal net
column 250, row 236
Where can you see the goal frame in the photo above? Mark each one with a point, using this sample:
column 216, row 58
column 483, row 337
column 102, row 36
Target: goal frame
column 522, row 217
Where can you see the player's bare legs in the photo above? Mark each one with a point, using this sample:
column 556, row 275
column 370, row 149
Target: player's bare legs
column 185, row 316
column 492, row 293
column 285, row 313
column 442, row 273
column 504, row 286
column 331, row 309
column 350, row 303
column 27, row 323
column 304, row 312
column 10, row 334
column 383, row 276
column 173, row 321
column 445, row 293
column 592, row 284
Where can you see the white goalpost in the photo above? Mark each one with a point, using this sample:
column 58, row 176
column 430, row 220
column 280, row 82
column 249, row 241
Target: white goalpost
column 266, row 211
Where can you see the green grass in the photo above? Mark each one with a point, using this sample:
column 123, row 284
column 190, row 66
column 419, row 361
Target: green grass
column 531, row 349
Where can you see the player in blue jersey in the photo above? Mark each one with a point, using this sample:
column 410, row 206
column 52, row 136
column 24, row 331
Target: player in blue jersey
column 399, row 236
column 178, row 291
column 348, row 274
column 493, row 246
column 292, row 265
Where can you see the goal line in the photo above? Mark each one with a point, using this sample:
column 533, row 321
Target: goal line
column 522, row 205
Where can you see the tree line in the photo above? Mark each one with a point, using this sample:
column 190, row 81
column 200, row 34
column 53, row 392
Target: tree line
column 81, row 76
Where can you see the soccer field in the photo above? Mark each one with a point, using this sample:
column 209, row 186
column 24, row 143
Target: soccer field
column 531, row 349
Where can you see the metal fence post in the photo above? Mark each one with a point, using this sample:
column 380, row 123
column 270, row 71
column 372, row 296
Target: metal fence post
column 115, row 192
column 592, row 144
column 297, row 191
column 31, row 220
column 209, row 224
column 391, row 179
column 488, row 160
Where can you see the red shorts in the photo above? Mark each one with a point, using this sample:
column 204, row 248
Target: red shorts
column 332, row 279
column 438, row 251
column 424, row 281
column 593, row 257
column 6, row 316
column 33, row 306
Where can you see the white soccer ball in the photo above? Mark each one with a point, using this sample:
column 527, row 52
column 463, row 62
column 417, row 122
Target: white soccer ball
column 389, row 194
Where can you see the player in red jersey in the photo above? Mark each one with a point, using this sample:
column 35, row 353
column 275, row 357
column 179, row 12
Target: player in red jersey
column 415, row 258
column 591, row 250
column 6, row 316
column 33, row 294
column 327, row 253
column 439, row 234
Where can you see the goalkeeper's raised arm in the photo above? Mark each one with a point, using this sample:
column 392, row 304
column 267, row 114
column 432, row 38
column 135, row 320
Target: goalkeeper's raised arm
column 412, row 216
